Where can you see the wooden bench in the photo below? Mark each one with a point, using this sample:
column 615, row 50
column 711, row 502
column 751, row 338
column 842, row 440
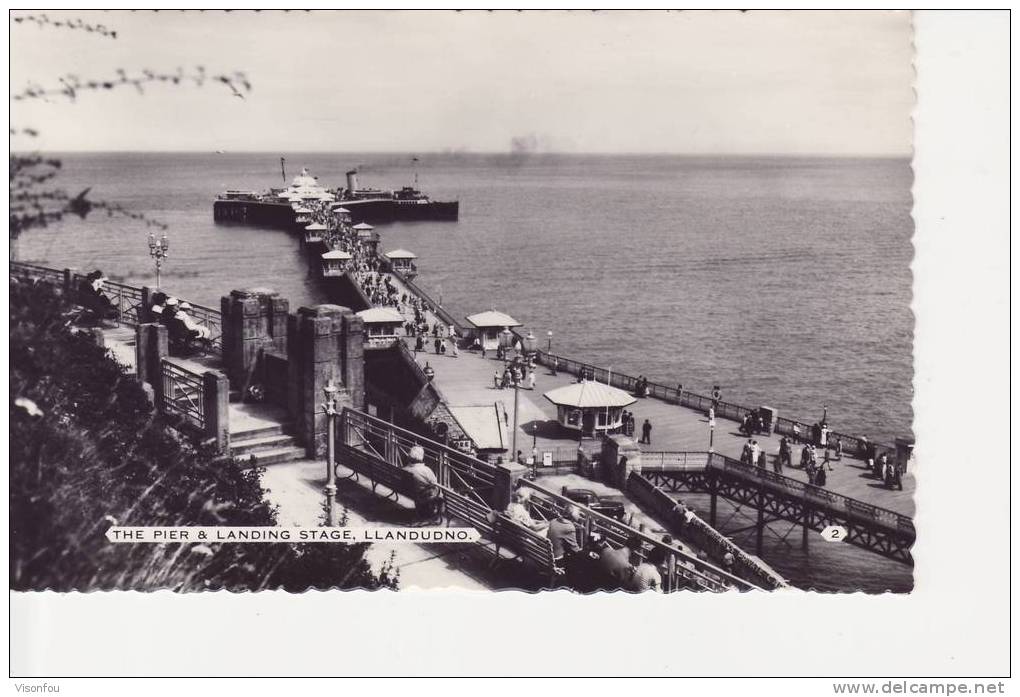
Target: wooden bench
column 392, row 477
column 463, row 508
column 532, row 548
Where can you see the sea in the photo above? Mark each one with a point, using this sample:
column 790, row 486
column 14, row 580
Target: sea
column 785, row 280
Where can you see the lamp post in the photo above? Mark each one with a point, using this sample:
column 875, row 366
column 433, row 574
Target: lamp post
column 330, row 391
column 158, row 250
column 711, row 433
column 505, row 341
column 548, row 336
column 517, row 397
column 530, row 345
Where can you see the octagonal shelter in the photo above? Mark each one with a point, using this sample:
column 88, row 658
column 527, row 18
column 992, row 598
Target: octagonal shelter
column 403, row 261
column 488, row 326
column 589, row 407
column 335, row 263
column 382, row 326
column 314, row 232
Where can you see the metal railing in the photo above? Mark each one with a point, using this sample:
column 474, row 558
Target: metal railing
column 665, row 460
column 183, row 394
column 701, row 534
column 849, row 507
column 454, row 469
column 33, row 272
column 819, row 496
column 126, row 298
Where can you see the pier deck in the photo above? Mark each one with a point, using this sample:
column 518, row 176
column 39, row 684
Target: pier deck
column 468, row 380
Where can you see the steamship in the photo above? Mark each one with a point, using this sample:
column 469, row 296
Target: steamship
column 290, row 206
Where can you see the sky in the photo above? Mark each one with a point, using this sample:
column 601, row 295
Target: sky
column 607, row 82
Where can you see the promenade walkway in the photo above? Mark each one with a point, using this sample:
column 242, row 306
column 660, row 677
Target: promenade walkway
column 468, row 380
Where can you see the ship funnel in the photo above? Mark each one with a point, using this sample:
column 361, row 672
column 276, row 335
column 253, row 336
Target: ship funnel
column 352, row 181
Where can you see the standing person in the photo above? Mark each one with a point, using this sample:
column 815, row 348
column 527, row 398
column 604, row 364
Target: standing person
column 745, row 453
column 495, row 380
column 777, row 464
column 716, row 397
column 755, row 452
column 839, row 448
column 763, row 459
column 646, row 432
column 531, row 379
column 437, row 343
column 784, row 453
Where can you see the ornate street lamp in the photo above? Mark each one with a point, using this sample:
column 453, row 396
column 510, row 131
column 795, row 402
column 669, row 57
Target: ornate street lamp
column 330, row 390
column 158, row 250
column 548, row 336
column 429, row 371
column 506, row 340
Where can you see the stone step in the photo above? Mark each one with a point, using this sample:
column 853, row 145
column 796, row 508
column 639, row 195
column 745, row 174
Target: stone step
column 275, row 456
column 243, row 446
column 261, row 432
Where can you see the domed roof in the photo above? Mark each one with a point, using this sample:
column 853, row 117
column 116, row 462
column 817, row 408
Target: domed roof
column 587, row 394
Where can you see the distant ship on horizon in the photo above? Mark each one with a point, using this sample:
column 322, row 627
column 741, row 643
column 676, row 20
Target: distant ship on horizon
column 365, row 205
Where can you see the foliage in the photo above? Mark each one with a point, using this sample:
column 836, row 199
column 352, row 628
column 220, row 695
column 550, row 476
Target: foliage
column 88, row 451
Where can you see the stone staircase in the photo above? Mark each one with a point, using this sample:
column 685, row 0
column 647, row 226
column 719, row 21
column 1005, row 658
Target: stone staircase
column 269, row 445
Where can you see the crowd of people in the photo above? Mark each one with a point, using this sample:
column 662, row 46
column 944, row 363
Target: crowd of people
column 381, row 288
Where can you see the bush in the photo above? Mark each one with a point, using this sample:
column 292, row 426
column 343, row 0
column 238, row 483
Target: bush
column 88, row 451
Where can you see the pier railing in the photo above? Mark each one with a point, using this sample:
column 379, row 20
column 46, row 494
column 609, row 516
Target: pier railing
column 700, row 534
column 692, row 400
column 850, row 507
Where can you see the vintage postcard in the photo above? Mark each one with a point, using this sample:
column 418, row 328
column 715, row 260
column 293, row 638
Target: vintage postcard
column 345, row 300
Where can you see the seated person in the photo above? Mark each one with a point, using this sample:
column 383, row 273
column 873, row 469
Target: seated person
column 201, row 331
column 92, row 296
column 518, row 512
column 427, row 497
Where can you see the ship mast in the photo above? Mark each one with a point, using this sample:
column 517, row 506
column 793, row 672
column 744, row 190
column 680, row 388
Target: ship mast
column 414, row 159
column 283, row 169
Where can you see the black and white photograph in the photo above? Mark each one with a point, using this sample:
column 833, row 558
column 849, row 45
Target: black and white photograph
column 613, row 302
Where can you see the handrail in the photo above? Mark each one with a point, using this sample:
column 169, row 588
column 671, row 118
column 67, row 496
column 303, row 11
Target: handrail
column 708, row 538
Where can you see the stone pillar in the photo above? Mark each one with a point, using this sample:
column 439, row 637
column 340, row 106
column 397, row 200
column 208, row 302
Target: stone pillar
column 352, row 358
column 216, row 408
column 505, row 482
column 614, row 449
column 253, row 319
column 323, row 343
column 152, row 345
column 145, row 310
